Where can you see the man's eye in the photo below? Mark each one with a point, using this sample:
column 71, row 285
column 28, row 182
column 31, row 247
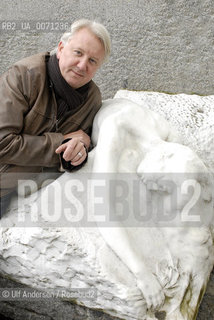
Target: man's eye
column 77, row 52
column 93, row 61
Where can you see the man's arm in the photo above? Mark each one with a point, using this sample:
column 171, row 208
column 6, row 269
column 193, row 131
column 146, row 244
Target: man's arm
column 16, row 147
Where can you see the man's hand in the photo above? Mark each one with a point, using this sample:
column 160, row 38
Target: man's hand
column 75, row 149
column 81, row 135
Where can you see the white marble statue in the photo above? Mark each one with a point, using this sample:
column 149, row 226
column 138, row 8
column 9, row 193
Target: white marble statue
column 136, row 268
column 133, row 139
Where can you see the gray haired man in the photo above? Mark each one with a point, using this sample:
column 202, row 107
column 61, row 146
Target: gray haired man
column 48, row 103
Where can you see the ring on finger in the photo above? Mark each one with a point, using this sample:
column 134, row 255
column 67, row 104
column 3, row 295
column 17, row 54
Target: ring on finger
column 80, row 154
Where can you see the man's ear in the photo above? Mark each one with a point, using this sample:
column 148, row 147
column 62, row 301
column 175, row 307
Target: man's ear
column 59, row 49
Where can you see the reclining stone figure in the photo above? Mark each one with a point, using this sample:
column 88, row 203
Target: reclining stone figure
column 163, row 265
column 131, row 138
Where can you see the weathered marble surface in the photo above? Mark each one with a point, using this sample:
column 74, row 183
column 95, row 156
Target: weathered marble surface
column 191, row 115
column 48, row 258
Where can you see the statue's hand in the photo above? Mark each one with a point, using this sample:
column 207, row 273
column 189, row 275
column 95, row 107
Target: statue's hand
column 151, row 290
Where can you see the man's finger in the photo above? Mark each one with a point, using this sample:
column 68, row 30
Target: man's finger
column 77, row 162
column 64, row 146
column 61, row 148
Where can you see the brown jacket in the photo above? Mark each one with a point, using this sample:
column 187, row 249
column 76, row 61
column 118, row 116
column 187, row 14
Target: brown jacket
column 29, row 131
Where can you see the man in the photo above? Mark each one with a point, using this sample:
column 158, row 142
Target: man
column 47, row 107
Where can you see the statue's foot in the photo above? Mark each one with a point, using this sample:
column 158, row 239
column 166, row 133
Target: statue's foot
column 151, row 290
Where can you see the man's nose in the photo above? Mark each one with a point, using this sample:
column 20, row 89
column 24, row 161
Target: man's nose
column 82, row 64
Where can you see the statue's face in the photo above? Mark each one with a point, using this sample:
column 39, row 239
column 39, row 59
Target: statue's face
column 80, row 57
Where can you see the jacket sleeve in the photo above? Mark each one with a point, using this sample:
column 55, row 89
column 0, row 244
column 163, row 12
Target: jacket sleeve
column 16, row 147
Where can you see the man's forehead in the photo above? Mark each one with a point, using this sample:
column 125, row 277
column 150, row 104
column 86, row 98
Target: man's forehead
column 84, row 39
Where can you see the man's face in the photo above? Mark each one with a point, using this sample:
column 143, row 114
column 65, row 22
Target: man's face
column 80, row 58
